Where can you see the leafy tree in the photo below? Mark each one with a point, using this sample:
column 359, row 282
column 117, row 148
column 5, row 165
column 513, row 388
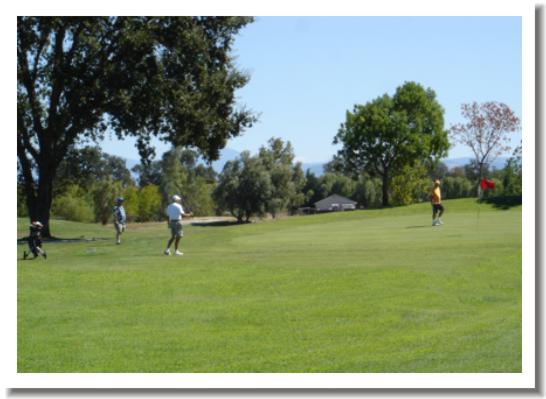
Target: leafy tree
column 486, row 131
column 457, row 171
column 180, row 174
column 311, row 188
column 277, row 158
column 297, row 196
column 457, row 187
column 473, row 171
column 74, row 204
column 438, row 170
column 169, row 77
column 331, row 183
column 149, row 204
column 22, row 210
column 174, row 177
column 338, row 165
column 244, row 188
column 318, row 188
column 201, row 202
column 511, row 179
column 367, row 192
column 149, row 172
column 207, row 173
column 105, row 193
column 516, row 156
column 390, row 133
column 85, row 166
column 410, row 185
column 131, row 195
column 226, row 192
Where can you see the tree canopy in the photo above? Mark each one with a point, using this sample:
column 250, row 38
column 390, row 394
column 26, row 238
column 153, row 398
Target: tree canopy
column 389, row 133
column 167, row 77
column 486, row 131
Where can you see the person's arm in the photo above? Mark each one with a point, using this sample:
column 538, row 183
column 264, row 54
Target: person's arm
column 184, row 213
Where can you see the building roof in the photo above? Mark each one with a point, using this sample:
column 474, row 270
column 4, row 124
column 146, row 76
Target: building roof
column 334, row 198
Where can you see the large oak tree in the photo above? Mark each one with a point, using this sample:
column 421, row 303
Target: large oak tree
column 391, row 132
column 79, row 77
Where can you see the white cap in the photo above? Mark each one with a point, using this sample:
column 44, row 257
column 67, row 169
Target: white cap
column 176, row 198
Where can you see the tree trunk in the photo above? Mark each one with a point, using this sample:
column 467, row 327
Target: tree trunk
column 39, row 203
column 480, row 181
column 385, row 189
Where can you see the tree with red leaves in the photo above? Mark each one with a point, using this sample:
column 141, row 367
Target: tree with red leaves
column 487, row 130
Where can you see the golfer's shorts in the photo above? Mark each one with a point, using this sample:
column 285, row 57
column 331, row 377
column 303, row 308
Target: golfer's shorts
column 437, row 208
column 176, row 228
column 120, row 227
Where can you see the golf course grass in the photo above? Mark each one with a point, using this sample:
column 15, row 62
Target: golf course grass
column 362, row 291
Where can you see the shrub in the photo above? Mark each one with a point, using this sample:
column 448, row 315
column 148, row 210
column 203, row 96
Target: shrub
column 105, row 193
column 149, row 203
column 131, row 196
column 73, row 204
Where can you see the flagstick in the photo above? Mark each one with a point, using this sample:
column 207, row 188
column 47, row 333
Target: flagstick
column 479, row 203
column 480, row 192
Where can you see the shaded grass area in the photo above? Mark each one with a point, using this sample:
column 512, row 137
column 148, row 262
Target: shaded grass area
column 346, row 292
column 505, row 202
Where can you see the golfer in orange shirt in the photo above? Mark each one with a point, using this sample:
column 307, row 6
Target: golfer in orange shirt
column 437, row 208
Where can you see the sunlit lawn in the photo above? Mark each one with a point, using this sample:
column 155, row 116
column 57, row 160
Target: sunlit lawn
column 363, row 291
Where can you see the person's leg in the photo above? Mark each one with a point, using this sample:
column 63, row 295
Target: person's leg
column 178, row 237
column 41, row 251
column 434, row 215
column 118, row 232
column 441, row 212
column 168, row 249
column 33, row 246
column 176, row 243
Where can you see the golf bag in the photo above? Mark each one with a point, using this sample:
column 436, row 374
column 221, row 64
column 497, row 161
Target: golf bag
column 35, row 241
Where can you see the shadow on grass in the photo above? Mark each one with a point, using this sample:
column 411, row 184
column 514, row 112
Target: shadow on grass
column 418, row 227
column 503, row 203
column 58, row 240
column 217, row 223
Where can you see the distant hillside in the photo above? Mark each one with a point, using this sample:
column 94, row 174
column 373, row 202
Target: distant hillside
column 454, row 162
column 317, row 168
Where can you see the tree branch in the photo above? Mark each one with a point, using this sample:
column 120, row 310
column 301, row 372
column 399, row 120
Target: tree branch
column 24, row 136
column 28, row 83
column 26, row 168
column 44, row 39
column 58, row 81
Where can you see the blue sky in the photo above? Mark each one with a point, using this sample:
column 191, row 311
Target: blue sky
column 306, row 72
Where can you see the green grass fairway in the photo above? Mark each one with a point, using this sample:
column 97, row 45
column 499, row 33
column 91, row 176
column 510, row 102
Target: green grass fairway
column 363, row 291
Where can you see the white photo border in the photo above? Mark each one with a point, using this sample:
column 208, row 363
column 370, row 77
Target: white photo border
column 525, row 379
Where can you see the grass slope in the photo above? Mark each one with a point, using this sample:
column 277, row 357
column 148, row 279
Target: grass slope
column 363, row 291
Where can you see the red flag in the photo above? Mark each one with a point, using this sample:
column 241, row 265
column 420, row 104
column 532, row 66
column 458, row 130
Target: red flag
column 487, row 184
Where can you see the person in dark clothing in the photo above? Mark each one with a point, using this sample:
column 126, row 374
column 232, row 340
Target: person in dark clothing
column 120, row 218
column 35, row 241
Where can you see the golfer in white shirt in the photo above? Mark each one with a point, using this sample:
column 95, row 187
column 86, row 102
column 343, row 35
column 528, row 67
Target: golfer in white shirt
column 175, row 212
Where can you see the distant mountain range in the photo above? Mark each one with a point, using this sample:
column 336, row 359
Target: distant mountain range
column 229, row 154
column 498, row 163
